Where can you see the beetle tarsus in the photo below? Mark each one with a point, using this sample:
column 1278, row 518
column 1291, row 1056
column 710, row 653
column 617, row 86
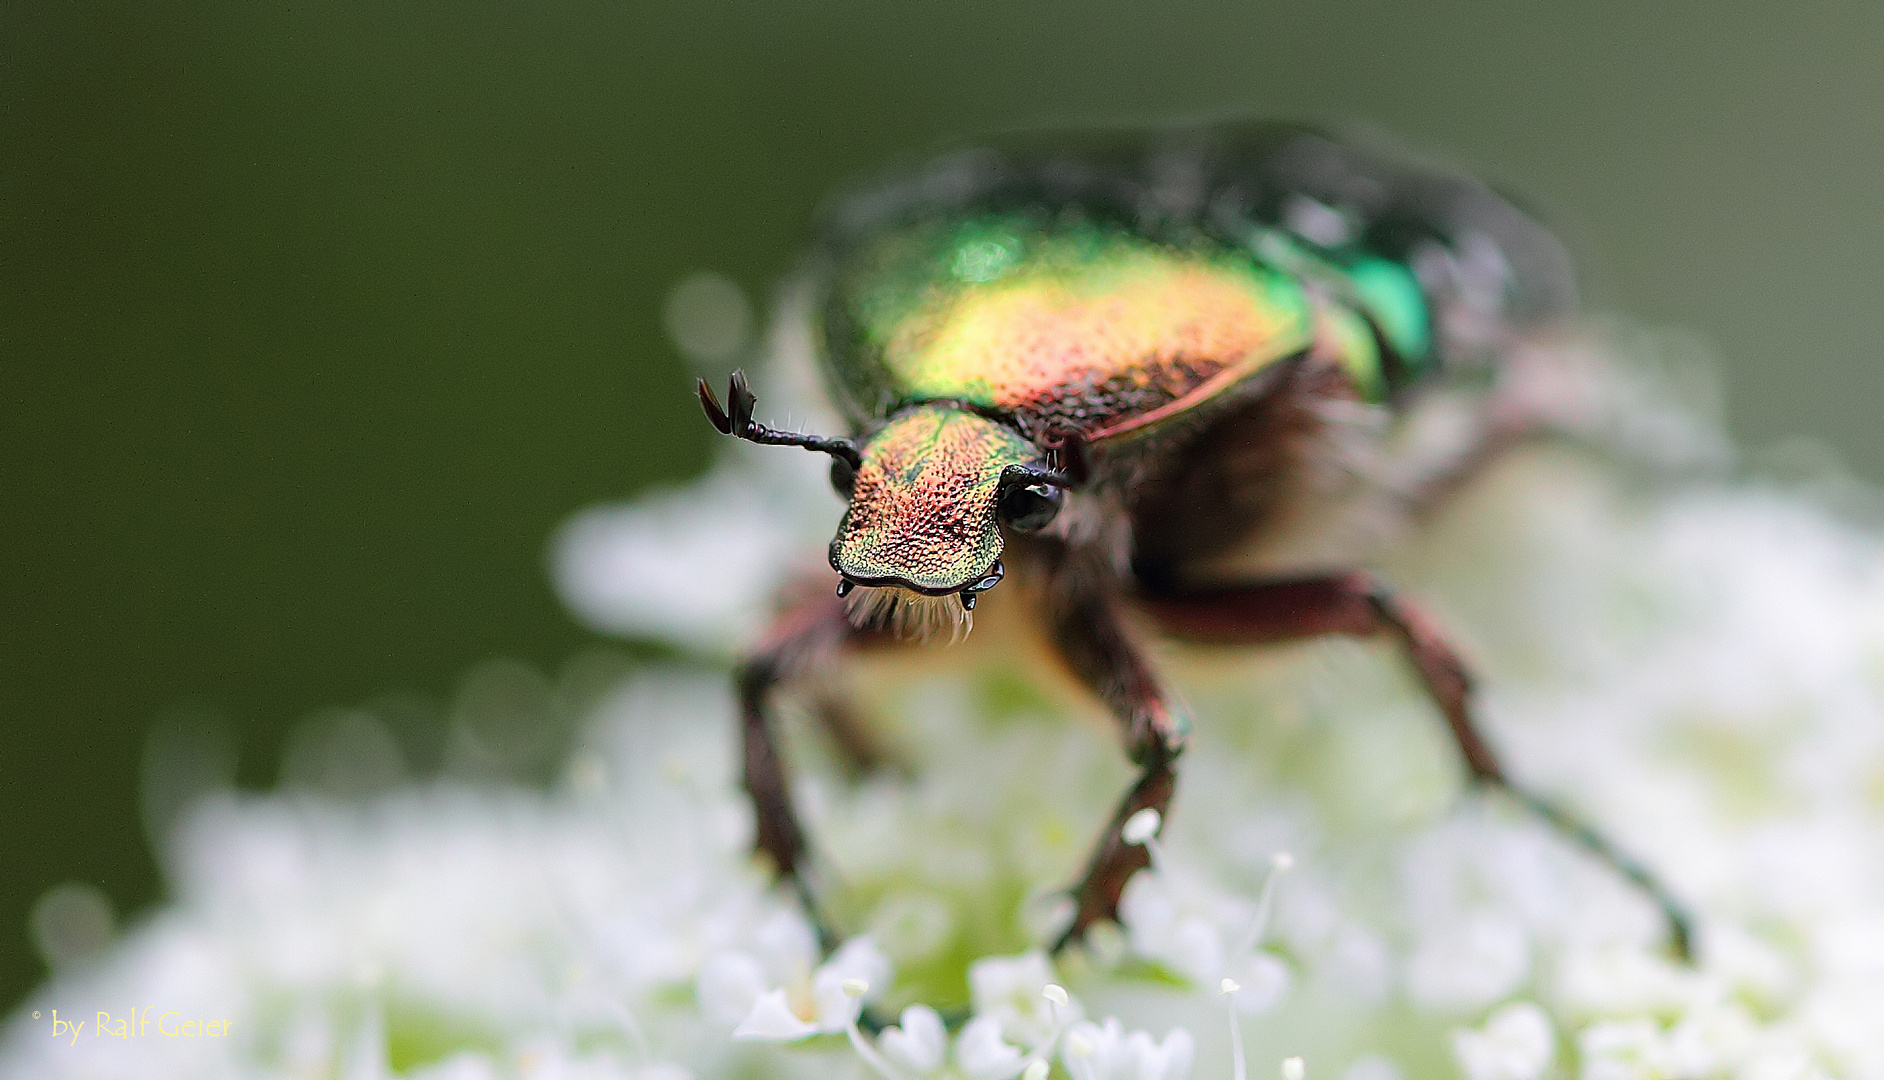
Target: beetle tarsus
column 1096, row 897
column 1674, row 914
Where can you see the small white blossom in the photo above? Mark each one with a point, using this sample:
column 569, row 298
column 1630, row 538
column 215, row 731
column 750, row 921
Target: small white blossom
column 1264, row 982
column 984, row 1055
column 920, row 1044
column 824, row 1001
column 1516, row 1043
column 1011, row 992
column 1625, row 1050
column 1108, row 1052
column 1204, row 934
column 771, row 1018
column 1471, row 964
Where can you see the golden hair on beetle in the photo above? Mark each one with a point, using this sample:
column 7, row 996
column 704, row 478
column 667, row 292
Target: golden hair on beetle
column 908, row 614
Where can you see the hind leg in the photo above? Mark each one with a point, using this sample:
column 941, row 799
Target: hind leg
column 1360, row 606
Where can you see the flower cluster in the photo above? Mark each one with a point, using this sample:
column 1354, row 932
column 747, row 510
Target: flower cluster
column 1022, row 1021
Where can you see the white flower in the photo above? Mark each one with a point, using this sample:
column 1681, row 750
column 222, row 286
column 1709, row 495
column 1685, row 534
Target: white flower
column 772, row 1019
column 1262, row 982
column 920, row 1044
column 1516, row 1043
column 1624, row 1050
column 1204, row 934
column 1016, row 1000
column 696, row 566
column 984, row 1055
column 1107, row 1052
column 1472, row 964
column 1617, row 980
column 786, row 1000
column 1010, row 992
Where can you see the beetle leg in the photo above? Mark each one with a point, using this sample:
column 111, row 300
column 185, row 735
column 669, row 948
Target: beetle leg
column 1113, row 862
column 1093, row 640
column 1359, row 605
column 859, row 750
column 801, row 637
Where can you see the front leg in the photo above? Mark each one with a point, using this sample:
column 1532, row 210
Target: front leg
column 1359, row 605
column 1084, row 609
column 811, row 631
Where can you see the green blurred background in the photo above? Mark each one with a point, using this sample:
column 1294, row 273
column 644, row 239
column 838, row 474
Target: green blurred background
column 316, row 319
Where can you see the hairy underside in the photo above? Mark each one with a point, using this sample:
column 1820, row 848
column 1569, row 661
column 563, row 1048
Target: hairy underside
column 908, row 614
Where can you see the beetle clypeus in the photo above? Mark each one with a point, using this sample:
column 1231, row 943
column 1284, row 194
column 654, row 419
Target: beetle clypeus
column 1126, row 369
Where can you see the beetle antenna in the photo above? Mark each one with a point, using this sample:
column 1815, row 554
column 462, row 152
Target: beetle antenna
column 736, row 420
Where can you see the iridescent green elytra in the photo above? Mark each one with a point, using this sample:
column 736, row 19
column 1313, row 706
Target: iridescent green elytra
column 1147, row 372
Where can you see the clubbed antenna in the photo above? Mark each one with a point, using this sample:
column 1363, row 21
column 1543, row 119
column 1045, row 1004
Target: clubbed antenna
column 736, row 420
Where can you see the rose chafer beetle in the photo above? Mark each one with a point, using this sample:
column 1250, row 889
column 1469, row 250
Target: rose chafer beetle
column 1154, row 377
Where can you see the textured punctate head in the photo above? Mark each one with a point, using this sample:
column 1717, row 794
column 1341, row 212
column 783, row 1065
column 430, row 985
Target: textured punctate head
column 922, row 536
column 929, row 494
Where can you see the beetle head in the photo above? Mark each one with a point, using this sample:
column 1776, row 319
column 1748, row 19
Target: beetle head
column 930, row 493
column 922, row 538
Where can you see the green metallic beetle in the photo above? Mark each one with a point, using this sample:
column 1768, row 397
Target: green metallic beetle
column 1141, row 372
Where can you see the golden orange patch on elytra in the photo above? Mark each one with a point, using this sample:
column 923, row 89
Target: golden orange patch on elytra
column 1152, row 326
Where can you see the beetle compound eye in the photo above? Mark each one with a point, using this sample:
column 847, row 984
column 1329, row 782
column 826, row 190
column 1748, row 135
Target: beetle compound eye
column 1031, row 507
column 843, row 476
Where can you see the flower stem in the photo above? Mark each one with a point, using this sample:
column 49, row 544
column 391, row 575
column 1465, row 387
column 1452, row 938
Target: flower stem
column 869, row 1053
